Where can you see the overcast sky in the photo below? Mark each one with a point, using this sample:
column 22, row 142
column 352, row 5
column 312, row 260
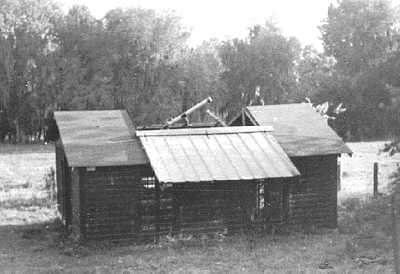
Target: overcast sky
column 224, row 18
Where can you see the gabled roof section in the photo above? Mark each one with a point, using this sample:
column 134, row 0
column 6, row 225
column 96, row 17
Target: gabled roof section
column 215, row 154
column 299, row 129
column 99, row 138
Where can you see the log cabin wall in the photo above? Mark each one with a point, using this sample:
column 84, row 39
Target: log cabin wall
column 63, row 178
column 208, row 207
column 110, row 202
column 230, row 206
column 128, row 203
column 60, row 176
column 313, row 200
column 76, row 219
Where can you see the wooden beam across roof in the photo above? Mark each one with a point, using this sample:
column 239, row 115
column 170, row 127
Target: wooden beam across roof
column 203, row 131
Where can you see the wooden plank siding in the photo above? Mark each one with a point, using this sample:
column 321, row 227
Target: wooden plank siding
column 76, row 220
column 111, row 202
column 212, row 207
column 116, row 205
column 313, row 199
column 60, row 177
column 63, row 178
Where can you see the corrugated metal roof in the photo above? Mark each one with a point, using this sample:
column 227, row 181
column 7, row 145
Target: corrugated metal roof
column 299, row 129
column 215, row 154
column 99, row 138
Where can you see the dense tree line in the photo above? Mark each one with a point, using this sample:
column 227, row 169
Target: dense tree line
column 139, row 59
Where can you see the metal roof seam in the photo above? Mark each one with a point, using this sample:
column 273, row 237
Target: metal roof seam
column 229, row 159
column 276, row 154
column 175, row 160
column 216, row 157
column 159, row 156
column 272, row 139
column 190, row 160
column 243, row 160
column 265, row 155
column 201, row 157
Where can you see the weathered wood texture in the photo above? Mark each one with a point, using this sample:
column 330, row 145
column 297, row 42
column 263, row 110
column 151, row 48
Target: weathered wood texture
column 211, row 207
column 76, row 202
column 118, row 204
column 63, row 177
column 114, row 203
column 313, row 200
column 60, row 176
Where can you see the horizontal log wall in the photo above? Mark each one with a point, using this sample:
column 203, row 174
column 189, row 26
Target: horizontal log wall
column 63, row 178
column 313, row 198
column 213, row 207
column 60, row 177
column 117, row 203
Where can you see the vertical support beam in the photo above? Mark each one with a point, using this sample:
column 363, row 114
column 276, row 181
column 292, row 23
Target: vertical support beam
column 395, row 228
column 82, row 203
column 76, row 207
column 175, row 208
column 157, row 195
column 375, row 179
column 136, row 201
column 267, row 201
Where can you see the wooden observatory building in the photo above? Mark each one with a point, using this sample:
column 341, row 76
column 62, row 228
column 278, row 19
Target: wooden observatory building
column 314, row 148
column 115, row 182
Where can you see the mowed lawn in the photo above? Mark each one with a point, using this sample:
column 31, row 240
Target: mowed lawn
column 32, row 239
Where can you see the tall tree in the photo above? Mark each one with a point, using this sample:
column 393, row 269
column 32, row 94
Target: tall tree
column 27, row 36
column 143, row 46
column 313, row 71
column 361, row 36
column 80, row 62
column 266, row 59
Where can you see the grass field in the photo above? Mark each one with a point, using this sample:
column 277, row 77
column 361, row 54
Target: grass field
column 357, row 171
column 31, row 238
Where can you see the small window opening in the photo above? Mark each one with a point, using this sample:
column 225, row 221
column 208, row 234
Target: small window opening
column 260, row 201
column 148, row 182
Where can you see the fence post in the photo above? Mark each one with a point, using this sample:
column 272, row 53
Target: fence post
column 375, row 179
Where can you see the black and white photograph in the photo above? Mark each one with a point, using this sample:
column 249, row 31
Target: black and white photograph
column 171, row 136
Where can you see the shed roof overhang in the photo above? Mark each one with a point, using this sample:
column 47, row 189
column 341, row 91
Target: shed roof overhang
column 99, row 138
column 299, row 130
column 215, row 154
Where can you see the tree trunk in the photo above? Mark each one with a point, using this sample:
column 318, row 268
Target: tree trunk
column 18, row 136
